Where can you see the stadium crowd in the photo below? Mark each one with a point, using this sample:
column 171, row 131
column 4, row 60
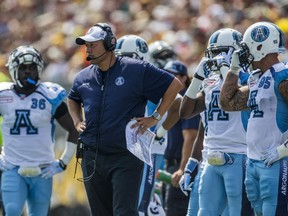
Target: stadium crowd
column 52, row 26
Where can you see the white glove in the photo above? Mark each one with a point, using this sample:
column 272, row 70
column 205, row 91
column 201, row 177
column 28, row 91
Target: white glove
column 184, row 178
column 223, row 59
column 186, row 181
column 202, row 71
column 235, row 63
column 55, row 167
column 276, row 154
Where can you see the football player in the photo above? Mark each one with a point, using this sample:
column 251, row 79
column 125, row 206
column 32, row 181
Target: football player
column 29, row 109
column 222, row 177
column 266, row 96
column 161, row 53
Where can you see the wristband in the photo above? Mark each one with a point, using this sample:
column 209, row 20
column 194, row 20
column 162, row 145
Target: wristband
column 190, row 165
column 198, row 77
column 235, row 70
column 193, row 88
column 161, row 132
column 193, row 159
column 69, row 152
column 224, row 70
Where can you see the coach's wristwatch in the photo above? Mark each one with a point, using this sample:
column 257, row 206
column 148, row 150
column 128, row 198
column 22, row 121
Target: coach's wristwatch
column 156, row 116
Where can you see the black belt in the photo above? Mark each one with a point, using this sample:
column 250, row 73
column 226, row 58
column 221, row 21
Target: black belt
column 90, row 148
column 173, row 162
column 95, row 150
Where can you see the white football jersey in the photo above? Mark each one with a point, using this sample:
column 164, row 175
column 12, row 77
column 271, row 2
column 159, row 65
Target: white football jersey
column 28, row 123
column 268, row 122
column 225, row 130
column 205, row 148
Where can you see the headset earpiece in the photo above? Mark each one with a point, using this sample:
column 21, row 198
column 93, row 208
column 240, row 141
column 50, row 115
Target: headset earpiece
column 109, row 40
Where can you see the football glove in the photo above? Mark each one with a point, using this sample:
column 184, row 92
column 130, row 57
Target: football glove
column 223, row 59
column 55, row 167
column 202, row 72
column 275, row 154
column 186, row 180
column 235, row 63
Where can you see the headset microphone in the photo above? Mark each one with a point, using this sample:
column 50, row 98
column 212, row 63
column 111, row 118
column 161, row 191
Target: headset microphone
column 89, row 58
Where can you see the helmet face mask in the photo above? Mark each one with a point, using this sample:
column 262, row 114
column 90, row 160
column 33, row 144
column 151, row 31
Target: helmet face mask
column 27, row 74
column 214, row 51
column 263, row 38
column 245, row 56
column 220, row 41
column 132, row 46
column 161, row 53
column 22, row 57
column 128, row 54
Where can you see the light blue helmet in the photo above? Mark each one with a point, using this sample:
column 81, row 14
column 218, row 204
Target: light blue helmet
column 132, row 46
column 222, row 40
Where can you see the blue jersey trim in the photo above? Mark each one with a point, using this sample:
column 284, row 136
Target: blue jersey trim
column 282, row 105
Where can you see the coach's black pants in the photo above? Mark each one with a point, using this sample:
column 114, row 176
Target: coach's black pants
column 113, row 188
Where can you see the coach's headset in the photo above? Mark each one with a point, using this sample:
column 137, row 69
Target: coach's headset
column 109, row 40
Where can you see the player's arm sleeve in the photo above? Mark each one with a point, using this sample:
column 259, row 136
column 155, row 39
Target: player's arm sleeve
column 61, row 110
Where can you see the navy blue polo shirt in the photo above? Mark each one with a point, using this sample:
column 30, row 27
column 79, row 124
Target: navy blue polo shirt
column 112, row 98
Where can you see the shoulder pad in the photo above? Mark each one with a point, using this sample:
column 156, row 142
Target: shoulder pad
column 52, row 90
column 5, row 86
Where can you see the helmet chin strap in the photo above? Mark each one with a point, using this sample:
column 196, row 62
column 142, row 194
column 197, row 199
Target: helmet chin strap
column 19, row 83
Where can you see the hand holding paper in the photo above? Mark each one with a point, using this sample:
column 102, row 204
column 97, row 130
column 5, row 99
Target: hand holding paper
column 139, row 144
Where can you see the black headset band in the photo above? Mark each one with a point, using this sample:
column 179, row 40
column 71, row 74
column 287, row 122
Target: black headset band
column 109, row 37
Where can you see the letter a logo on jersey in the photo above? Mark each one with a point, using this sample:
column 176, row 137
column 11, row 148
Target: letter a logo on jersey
column 23, row 121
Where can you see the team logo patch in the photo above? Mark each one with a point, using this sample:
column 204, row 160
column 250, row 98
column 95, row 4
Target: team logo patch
column 210, row 82
column 6, row 99
column 86, row 85
column 237, row 37
column 260, row 33
column 119, row 81
column 143, row 48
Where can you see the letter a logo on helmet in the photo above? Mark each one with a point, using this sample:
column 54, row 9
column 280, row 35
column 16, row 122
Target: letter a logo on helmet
column 263, row 38
column 143, row 47
column 260, row 33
